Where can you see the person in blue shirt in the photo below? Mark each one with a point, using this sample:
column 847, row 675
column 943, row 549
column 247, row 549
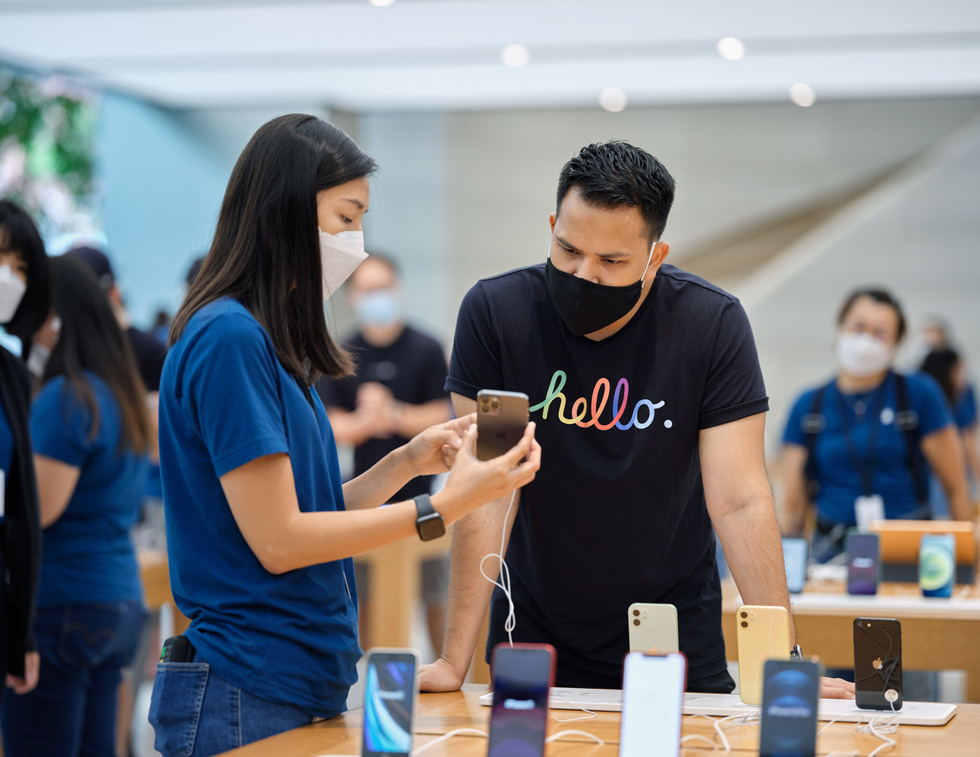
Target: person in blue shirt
column 260, row 530
column 25, row 301
column 946, row 366
column 92, row 433
column 862, row 446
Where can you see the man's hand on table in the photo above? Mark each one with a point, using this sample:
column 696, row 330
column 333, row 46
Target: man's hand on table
column 836, row 688
column 440, row 676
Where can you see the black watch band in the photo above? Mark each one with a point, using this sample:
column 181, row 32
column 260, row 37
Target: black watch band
column 796, row 653
column 429, row 523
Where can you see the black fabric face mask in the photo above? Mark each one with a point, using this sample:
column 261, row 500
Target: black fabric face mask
column 585, row 306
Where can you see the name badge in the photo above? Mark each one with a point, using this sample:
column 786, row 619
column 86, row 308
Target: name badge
column 868, row 509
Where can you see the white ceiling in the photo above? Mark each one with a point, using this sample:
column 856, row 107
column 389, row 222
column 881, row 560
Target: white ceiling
column 445, row 54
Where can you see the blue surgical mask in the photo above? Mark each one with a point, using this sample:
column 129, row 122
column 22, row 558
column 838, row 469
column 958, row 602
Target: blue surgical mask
column 381, row 307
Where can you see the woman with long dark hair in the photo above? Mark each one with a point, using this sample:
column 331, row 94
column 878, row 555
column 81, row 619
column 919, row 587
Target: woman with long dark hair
column 260, row 531
column 91, row 432
column 25, row 301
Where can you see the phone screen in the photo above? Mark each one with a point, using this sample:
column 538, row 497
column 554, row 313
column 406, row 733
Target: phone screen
column 519, row 717
column 389, row 694
column 937, row 565
column 789, row 709
column 653, row 694
column 794, row 558
column 862, row 563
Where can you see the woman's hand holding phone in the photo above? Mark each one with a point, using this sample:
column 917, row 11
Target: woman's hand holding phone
column 434, row 450
column 473, row 482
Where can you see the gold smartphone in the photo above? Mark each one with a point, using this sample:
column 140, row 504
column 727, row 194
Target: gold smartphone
column 763, row 634
column 501, row 418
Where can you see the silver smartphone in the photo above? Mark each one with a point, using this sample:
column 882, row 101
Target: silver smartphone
column 501, row 418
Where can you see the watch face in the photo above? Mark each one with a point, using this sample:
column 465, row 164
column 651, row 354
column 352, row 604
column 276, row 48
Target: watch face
column 431, row 527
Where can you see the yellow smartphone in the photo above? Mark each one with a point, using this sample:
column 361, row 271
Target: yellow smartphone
column 763, row 634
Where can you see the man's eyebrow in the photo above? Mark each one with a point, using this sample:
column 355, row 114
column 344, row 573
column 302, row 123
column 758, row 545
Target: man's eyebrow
column 568, row 246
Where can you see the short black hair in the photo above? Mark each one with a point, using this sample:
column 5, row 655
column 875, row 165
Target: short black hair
column 386, row 260
column 940, row 364
column 881, row 296
column 613, row 174
column 19, row 234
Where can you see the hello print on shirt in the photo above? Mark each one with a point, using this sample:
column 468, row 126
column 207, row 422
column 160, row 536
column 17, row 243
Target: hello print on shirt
column 600, row 396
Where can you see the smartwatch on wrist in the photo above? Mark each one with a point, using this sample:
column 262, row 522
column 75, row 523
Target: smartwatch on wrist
column 796, row 654
column 429, row 523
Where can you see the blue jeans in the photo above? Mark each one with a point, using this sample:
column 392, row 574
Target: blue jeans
column 73, row 709
column 195, row 712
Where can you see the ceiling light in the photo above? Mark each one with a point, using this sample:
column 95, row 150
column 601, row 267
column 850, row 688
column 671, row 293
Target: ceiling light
column 514, row 56
column 731, row 48
column 381, row 3
column 613, row 99
column 802, row 94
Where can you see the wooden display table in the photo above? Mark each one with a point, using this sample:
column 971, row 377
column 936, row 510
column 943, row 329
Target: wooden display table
column 155, row 575
column 937, row 634
column 440, row 713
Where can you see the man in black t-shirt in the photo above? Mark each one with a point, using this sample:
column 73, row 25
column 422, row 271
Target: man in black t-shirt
column 396, row 393
column 645, row 386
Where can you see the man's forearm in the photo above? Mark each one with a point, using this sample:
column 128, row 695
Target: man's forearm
column 476, row 535
column 750, row 537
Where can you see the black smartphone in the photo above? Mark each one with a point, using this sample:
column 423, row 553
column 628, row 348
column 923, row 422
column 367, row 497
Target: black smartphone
column 501, row 418
column 390, row 692
column 789, row 709
column 522, row 676
column 863, row 565
column 878, row 663
column 177, row 649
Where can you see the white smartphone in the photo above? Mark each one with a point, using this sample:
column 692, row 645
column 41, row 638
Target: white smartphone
column 653, row 628
column 390, row 695
column 653, row 695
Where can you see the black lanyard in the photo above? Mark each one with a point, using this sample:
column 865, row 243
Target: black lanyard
column 865, row 468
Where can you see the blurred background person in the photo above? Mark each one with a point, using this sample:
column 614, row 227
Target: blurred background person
column 948, row 369
column 92, row 435
column 149, row 351
column 25, row 301
column 870, row 434
column 395, row 393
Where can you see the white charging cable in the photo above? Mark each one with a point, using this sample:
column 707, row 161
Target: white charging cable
column 503, row 580
column 561, row 734
column 880, row 726
column 447, row 736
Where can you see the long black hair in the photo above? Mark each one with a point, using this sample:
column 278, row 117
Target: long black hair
column 19, row 234
column 266, row 249
column 941, row 364
column 91, row 340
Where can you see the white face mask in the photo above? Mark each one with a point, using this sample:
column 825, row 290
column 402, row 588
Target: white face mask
column 340, row 255
column 861, row 355
column 11, row 293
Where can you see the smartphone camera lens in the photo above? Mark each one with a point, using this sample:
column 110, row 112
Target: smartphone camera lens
column 745, row 615
column 636, row 613
column 636, row 621
column 495, row 403
column 745, row 624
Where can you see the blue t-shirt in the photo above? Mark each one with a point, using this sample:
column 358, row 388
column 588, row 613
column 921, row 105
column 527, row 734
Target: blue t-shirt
column 6, row 452
column 838, row 475
column 226, row 400
column 88, row 555
column 965, row 409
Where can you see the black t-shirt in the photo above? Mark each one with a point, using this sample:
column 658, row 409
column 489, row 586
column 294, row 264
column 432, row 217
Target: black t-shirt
column 616, row 513
column 413, row 367
column 150, row 353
